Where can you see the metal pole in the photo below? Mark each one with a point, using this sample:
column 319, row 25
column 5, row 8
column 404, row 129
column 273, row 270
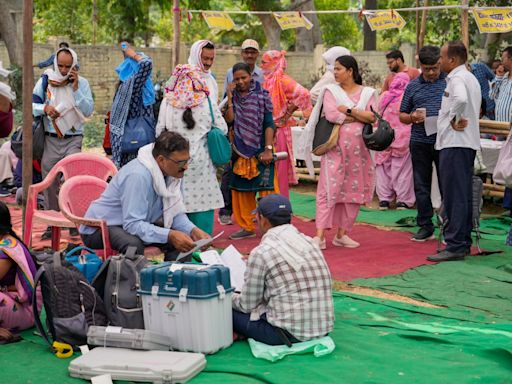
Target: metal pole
column 176, row 33
column 465, row 23
column 28, row 85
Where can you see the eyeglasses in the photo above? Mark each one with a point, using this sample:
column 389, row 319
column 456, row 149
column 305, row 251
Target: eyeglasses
column 180, row 163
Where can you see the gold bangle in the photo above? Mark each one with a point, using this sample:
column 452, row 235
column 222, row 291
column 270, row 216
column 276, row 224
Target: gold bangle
column 230, row 105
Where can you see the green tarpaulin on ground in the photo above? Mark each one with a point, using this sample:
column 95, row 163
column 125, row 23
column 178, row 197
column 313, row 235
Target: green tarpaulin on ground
column 482, row 284
column 377, row 341
column 491, row 227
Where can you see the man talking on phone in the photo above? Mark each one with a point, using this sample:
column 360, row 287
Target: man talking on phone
column 60, row 92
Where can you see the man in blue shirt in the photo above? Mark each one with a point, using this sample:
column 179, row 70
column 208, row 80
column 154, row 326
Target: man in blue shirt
column 426, row 91
column 250, row 53
column 63, row 98
column 144, row 192
column 484, row 75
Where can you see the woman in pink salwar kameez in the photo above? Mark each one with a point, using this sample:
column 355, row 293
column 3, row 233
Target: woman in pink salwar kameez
column 394, row 165
column 287, row 96
column 17, row 271
column 347, row 174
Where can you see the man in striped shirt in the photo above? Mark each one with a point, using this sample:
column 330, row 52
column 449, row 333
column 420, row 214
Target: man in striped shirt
column 286, row 297
column 426, row 91
column 501, row 92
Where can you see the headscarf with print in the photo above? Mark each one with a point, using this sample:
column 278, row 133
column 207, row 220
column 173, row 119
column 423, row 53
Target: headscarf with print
column 185, row 88
column 273, row 64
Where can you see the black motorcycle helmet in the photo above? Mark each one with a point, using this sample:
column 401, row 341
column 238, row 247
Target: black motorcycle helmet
column 381, row 138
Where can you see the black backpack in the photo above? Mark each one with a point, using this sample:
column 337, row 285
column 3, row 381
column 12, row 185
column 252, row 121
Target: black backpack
column 70, row 302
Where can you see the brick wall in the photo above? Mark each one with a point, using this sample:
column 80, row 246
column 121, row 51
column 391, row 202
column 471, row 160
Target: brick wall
column 97, row 64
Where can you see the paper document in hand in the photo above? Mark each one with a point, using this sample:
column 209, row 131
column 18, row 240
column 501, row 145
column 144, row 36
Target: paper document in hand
column 70, row 118
column 198, row 245
column 232, row 259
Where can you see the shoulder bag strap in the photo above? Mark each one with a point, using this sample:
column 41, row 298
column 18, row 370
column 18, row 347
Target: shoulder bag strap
column 211, row 111
column 37, row 319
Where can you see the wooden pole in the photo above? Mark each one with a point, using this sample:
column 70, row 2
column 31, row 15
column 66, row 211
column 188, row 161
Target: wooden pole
column 417, row 28
column 28, row 85
column 465, row 23
column 176, row 34
column 423, row 28
column 94, row 21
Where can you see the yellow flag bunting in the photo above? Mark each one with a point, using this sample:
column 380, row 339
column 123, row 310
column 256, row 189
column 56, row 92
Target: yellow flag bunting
column 493, row 20
column 380, row 20
column 218, row 20
column 289, row 20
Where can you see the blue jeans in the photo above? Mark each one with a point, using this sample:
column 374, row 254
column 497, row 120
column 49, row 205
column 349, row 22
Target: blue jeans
column 422, row 156
column 456, row 171
column 260, row 330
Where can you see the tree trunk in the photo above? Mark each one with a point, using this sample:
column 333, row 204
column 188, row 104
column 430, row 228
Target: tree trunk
column 370, row 37
column 272, row 31
column 305, row 41
column 9, row 35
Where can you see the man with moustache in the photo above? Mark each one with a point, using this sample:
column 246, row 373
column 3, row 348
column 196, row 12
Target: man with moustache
column 202, row 55
column 250, row 53
column 141, row 194
column 396, row 64
column 458, row 138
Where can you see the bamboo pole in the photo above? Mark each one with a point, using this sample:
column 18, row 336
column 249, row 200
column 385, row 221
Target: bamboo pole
column 176, row 33
column 423, row 28
column 465, row 23
column 28, row 85
column 500, row 128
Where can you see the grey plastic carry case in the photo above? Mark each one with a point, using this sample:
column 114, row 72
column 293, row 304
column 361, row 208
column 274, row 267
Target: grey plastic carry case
column 159, row 367
column 128, row 338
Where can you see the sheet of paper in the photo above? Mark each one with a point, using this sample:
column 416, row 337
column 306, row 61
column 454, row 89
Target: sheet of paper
column 102, row 379
column 237, row 266
column 199, row 244
column 211, row 257
column 431, row 125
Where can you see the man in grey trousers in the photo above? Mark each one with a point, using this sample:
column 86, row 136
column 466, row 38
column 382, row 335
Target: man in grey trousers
column 64, row 99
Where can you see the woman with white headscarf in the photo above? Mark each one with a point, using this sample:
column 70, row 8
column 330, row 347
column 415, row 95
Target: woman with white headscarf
column 329, row 57
column 202, row 55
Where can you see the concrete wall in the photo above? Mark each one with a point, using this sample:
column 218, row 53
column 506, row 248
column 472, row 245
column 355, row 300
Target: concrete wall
column 97, row 64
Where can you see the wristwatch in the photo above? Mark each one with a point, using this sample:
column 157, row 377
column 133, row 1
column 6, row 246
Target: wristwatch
column 268, row 147
column 349, row 111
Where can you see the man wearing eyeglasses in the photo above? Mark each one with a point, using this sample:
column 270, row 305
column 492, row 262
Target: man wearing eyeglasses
column 143, row 205
column 396, row 64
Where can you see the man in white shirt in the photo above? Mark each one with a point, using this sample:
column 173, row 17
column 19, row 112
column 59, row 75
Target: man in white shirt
column 458, row 138
column 202, row 55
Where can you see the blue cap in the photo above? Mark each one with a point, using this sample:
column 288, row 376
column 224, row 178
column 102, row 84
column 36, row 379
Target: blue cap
column 275, row 207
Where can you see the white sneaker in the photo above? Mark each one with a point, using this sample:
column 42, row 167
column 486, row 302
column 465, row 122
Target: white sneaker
column 345, row 241
column 321, row 243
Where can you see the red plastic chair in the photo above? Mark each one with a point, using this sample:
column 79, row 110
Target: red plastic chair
column 72, row 165
column 75, row 197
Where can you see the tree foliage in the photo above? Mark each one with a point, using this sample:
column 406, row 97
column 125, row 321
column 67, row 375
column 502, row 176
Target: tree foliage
column 150, row 21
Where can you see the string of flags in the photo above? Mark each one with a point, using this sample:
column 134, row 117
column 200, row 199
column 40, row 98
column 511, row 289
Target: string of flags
column 488, row 20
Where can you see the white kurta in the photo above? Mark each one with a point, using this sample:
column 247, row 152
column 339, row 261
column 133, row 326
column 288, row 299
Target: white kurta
column 201, row 190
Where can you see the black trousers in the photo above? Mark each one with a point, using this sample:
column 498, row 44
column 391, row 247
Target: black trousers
column 456, row 172
column 422, row 156
column 120, row 240
column 227, row 210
